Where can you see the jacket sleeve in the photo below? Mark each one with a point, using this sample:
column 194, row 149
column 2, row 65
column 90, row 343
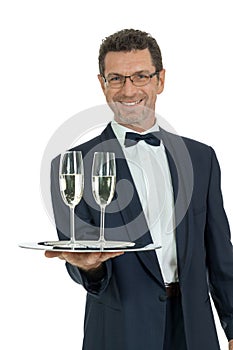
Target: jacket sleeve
column 219, row 251
column 95, row 284
column 83, row 223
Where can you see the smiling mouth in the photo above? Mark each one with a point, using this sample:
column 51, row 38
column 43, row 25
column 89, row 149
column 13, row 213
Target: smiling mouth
column 131, row 103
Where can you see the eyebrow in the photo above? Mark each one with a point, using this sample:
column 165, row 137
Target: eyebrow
column 138, row 72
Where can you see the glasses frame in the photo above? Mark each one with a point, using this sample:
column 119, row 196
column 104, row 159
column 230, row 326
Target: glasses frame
column 130, row 78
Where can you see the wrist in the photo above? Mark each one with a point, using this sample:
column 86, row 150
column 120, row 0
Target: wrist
column 96, row 273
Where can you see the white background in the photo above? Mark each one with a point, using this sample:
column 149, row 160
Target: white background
column 48, row 73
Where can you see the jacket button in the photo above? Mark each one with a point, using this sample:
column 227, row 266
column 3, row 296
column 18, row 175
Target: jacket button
column 163, row 297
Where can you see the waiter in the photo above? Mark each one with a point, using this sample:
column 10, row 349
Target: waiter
column 154, row 300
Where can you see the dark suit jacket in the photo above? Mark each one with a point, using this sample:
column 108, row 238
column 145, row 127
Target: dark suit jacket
column 126, row 309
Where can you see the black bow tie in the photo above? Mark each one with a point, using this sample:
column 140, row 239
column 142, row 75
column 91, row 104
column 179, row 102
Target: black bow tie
column 131, row 138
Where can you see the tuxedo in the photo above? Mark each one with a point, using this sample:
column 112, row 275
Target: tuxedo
column 127, row 308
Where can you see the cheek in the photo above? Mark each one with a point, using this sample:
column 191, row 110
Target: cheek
column 109, row 96
column 152, row 96
column 150, row 90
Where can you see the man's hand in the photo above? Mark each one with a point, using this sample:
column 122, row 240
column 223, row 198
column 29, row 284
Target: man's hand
column 231, row 344
column 84, row 261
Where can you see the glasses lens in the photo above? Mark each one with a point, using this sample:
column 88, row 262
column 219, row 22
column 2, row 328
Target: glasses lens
column 140, row 79
column 115, row 80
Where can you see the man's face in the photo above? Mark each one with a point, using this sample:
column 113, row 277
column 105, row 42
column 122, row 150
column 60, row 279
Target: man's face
column 133, row 106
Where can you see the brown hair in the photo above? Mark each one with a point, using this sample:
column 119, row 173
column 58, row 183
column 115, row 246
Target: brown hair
column 128, row 40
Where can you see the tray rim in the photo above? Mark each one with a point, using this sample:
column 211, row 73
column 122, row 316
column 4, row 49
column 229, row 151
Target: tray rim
column 42, row 246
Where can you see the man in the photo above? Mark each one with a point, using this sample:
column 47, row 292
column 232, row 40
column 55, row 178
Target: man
column 154, row 299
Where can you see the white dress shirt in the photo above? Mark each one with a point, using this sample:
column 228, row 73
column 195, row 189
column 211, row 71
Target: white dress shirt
column 150, row 171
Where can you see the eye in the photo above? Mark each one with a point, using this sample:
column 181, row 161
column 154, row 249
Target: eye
column 114, row 78
column 141, row 76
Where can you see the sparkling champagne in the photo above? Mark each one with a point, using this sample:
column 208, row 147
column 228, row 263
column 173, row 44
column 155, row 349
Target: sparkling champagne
column 103, row 189
column 71, row 186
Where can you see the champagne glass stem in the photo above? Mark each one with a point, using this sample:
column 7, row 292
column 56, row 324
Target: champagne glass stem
column 102, row 217
column 72, row 231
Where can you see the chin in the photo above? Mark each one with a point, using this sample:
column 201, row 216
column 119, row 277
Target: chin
column 130, row 119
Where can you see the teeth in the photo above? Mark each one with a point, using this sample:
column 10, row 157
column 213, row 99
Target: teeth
column 131, row 103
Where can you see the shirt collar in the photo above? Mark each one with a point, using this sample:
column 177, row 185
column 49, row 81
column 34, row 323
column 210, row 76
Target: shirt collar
column 120, row 131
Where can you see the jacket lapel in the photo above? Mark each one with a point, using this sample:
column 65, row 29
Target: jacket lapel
column 182, row 180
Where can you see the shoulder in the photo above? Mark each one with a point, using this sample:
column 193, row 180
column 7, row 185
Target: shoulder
column 197, row 147
column 200, row 154
column 192, row 145
column 88, row 145
column 200, row 151
column 95, row 143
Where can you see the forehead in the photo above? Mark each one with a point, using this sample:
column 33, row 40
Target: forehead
column 125, row 62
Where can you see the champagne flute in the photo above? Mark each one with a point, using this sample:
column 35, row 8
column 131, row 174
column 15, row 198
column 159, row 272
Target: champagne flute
column 71, row 181
column 103, row 185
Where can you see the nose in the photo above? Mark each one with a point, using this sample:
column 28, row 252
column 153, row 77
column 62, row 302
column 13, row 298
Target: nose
column 128, row 88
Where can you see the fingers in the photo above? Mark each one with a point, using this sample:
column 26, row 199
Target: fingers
column 89, row 261
column 106, row 256
column 85, row 261
column 51, row 254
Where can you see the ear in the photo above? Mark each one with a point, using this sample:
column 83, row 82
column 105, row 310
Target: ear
column 102, row 82
column 161, row 81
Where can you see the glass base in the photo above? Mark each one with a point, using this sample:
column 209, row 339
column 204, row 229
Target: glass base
column 106, row 244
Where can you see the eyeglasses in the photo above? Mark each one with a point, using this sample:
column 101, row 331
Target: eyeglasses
column 117, row 81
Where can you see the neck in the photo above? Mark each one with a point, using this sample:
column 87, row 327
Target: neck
column 138, row 127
